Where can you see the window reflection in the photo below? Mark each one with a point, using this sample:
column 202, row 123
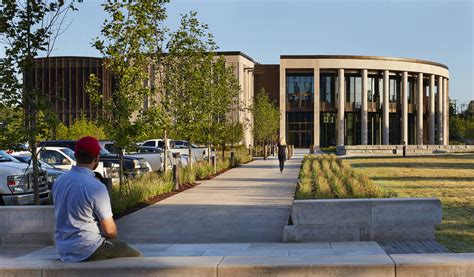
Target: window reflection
column 300, row 90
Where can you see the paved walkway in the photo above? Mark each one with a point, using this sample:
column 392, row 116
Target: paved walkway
column 247, row 204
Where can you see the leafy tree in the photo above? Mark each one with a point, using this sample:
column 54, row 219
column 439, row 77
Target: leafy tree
column 266, row 118
column 127, row 37
column 200, row 90
column 85, row 127
column 27, row 29
column 61, row 132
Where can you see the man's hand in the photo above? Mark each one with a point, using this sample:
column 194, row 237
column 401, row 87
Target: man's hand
column 109, row 230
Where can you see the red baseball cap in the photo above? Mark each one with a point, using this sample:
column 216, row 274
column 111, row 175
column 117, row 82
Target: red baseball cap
column 88, row 144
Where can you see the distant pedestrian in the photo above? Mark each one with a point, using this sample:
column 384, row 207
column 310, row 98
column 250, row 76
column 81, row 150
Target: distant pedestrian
column 282, row 153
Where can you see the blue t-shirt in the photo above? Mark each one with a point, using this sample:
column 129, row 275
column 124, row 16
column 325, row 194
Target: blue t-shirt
column 80, row 202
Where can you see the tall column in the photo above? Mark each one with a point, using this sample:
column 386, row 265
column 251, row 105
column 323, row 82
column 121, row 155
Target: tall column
column 340, row 109
column 386, row 118
column 419, row 111
column 405, row 109
column 316, row 109
column 283, row 101
column 364, row 108
column 445, row 112
column 439, row 116
column 431, row 124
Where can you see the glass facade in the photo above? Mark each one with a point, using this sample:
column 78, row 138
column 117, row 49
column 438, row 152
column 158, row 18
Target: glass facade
column 375, row 89
column 327, row 88
column 300, row 128
column 300, row 99
column 300, row 90
column 395, row 88
column 327, row 128
column 354, row 89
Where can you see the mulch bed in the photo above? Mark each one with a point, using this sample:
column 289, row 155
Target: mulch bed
column 160, row 197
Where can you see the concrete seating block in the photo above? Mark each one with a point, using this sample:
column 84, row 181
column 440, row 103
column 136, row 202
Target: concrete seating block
column 320, row 234
column 406, row 211
column 33, row 225
column 331, row 212
column 434, row 265
column 402, row 233
column 327, row 265
column 363, row 219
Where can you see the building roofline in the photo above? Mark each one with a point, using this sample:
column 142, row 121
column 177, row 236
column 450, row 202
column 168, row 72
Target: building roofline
column 362, row 58
column 68, row 57
column 235, row 53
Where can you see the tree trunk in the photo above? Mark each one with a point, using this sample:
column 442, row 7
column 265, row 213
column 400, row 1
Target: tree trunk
column 34, row 159
column 121, row 172
column 165, row 154
column 223, row 151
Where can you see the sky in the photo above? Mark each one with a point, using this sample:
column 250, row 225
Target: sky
column 439, row 31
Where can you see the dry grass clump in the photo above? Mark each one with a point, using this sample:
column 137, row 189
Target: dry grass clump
column 326, row 176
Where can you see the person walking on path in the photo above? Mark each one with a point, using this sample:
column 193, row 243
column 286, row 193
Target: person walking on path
column 282, row 153
column 85, row 228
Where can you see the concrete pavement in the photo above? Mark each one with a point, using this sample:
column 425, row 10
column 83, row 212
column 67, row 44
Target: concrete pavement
column 250, row 203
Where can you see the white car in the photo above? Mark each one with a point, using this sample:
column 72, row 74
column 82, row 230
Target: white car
column 16, row 186
column 63, row 158
column 179, row 146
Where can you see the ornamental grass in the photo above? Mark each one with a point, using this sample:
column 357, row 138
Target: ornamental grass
column 326, row 177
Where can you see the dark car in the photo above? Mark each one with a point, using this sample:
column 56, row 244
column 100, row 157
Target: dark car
column 53, row 172
column 132, row 165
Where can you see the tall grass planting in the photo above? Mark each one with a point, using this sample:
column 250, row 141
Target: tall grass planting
column 326, row 176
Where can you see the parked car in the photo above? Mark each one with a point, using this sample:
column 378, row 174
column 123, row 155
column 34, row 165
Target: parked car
column 184, row 159
column 154, row 160
column 53, row 172
column 179, row 146
column 64, row 158
column 16, row 182
column 132, row 166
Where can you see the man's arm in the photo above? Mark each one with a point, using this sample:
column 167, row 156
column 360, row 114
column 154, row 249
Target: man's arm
column 109, row 230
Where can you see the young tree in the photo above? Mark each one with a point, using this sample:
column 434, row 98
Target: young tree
column 186, row 69
column 127, row 37
column 27, row 29
column 85, row 127
column 266, row 118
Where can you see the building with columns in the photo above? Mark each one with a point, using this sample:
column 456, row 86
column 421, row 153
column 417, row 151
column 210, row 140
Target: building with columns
column 335, row 100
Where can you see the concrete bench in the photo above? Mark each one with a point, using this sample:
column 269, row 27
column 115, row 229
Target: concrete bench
column 27, row 225
column 461, row 265
column 363, row 219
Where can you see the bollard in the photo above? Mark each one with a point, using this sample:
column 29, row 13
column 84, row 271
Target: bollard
column 214, row 163
column 292, row 150
column 176, row 171
column 108, row 184
column 288, row 152
column 265, row 152
column 250, row 149
column 232, row 159
column 311, row 149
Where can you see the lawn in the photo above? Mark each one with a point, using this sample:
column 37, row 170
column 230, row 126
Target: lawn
column 448, row 177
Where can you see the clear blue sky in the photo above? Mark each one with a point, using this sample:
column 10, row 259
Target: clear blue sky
column 440, row 31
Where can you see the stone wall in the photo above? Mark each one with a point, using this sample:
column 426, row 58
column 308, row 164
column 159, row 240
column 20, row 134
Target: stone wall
column 363, row 219
column 384, row 150
column 27, row 225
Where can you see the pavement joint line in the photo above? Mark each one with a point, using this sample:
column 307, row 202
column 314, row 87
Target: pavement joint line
column 217, row 266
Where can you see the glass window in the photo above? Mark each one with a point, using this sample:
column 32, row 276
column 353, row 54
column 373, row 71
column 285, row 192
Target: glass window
column 299, row 90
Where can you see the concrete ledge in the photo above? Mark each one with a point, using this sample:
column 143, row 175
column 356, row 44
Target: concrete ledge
column 373, row 265
column 459, row 264
column 363, row 219
column 405, row 265
column 383, row 150
column 31, row 225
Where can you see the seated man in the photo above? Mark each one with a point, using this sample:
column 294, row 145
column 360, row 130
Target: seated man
column 85, row 229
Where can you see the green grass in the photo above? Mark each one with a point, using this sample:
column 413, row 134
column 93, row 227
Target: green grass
column 448, row 177
column 325, row 176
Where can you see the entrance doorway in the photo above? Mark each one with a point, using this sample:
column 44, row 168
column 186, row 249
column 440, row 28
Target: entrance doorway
column 300, row 129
